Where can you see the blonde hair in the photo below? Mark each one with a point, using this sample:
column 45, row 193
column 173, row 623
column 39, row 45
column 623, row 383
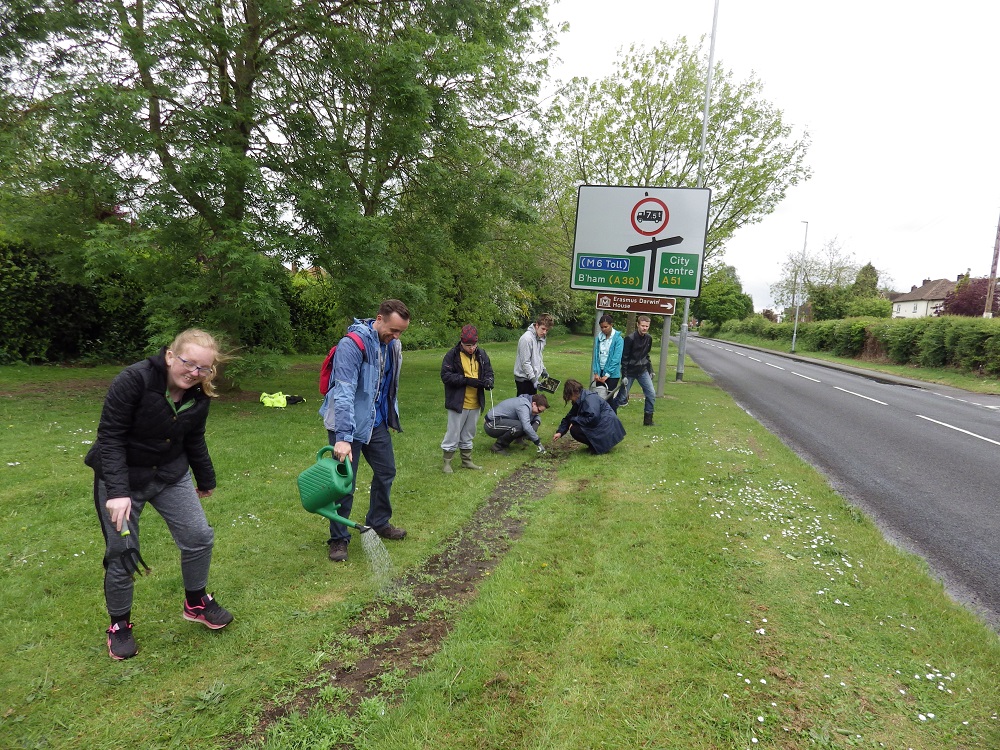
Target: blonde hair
column 199, row 337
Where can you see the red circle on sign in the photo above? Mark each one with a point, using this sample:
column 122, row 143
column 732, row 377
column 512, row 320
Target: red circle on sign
column 655, row 216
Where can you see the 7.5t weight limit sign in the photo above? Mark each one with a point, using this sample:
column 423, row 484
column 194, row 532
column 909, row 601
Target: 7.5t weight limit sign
column 640, row 240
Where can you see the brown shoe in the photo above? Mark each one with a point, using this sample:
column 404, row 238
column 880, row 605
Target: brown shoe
column 338, row 550
column 390, row 532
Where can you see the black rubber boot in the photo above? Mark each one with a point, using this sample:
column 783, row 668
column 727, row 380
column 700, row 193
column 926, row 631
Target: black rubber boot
column 647, row 420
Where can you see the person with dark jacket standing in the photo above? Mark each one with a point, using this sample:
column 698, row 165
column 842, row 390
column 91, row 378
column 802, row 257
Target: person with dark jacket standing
column 150, row 440
column 637, row 367
column 466, row 373
column 591, row 420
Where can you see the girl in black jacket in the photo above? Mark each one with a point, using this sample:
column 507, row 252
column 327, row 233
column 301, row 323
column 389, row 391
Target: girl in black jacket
column 150, row 440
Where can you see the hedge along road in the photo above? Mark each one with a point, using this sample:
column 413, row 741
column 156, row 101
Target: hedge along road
column 920, row 460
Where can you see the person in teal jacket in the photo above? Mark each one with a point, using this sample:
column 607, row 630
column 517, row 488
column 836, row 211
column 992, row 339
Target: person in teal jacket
column 606, row 367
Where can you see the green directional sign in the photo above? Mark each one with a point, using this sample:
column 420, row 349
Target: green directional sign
column 679, row 270
column 609, row 272
column 642, row 240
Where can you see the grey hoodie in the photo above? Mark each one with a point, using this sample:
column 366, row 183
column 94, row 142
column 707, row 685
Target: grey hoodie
column 528, row 365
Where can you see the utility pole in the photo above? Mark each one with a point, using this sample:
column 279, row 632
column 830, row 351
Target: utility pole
column 988, row 312
column 795, row 327
column 682, row 339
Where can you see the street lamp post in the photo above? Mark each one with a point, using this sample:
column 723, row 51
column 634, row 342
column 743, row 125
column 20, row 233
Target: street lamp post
column 682, row 339
column 795, row 327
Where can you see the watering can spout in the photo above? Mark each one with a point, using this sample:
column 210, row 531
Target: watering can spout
column 363, row 529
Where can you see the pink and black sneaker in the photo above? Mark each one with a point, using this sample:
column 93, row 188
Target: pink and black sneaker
column 208, row 613
column 121, row 644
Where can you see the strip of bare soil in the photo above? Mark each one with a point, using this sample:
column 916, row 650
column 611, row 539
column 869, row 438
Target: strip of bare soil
column 395, row 640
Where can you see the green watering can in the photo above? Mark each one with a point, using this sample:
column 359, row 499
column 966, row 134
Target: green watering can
column 324, row 484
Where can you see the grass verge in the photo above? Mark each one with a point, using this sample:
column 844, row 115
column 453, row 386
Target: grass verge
column 700, row 587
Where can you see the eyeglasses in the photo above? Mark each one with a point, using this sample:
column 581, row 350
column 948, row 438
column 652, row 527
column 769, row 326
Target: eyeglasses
column 192, row 367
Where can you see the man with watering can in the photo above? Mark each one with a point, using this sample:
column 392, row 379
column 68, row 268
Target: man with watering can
column 466, row 373
column 359, row 409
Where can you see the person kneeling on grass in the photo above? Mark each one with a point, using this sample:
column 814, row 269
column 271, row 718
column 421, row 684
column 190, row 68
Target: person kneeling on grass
column 150, row 439
column 514, row 419
column 591, row 420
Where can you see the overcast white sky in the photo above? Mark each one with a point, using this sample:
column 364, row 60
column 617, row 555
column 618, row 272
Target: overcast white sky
column 901, row 101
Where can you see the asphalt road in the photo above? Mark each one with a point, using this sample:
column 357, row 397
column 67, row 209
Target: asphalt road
column 920, row 459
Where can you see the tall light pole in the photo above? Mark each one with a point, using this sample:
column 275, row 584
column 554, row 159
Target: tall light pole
column 682, row 339
column 795, row 327
column 988, row 312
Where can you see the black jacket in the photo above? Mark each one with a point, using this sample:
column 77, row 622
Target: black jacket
column 635, row 355
column 455, row 382
column 141, row 438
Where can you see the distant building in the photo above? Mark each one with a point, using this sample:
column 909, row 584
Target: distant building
column 925, row 300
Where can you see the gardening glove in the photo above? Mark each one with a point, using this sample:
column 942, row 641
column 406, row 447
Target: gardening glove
column 540, row 447
column 474, row 382
column 488, row 384
column 544, row 375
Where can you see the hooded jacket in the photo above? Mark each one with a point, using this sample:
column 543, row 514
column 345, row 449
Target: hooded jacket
column 528, row 365
column 348, row 409
column 517, row 408
column 142, row 438
column 455, row 382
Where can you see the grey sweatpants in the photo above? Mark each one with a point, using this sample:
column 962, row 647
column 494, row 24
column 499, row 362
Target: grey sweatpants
column 180, row 507
column 461, row 430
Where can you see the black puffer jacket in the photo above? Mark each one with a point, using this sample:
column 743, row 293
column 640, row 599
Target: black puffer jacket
column 455, row 382
column 635, row 355
column 141, row 438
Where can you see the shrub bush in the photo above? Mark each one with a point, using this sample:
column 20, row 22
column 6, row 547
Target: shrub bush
column 903, row 339
column 849, row 337
column 932, row 347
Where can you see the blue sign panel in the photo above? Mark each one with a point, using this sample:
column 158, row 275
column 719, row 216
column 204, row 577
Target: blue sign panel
column 603, row 263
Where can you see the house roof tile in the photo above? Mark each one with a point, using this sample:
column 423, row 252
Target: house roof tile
column 933, row 290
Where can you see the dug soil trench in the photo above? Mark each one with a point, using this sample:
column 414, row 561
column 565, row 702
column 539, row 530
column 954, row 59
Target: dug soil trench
column 395, row 635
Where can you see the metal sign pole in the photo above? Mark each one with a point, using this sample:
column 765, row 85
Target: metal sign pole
column 682, row 339
column 661, row 380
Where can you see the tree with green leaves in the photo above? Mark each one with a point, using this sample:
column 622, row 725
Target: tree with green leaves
column 722, row 297
column 642, row 125
column 231, row 135
column 804, row 270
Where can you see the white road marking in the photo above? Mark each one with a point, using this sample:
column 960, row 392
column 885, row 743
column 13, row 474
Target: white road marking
column 774, row 366
column 958, row 429
column 861, row 396
column 806, row 377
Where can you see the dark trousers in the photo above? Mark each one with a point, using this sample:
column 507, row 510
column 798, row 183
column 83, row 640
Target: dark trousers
column 525, row 386
column 379, row 455
column 504, row 430
column 576, row 432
